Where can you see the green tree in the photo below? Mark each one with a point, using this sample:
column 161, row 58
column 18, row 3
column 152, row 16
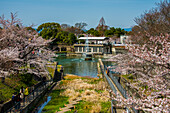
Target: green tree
column 49, row 30
column 72, row 38
column 90, row 31
column 108, row 33
column 93, row 32
column 119, row 31
column 81, row 35
column 96, row 33
column 113, row 29
column 114, row 32
column 30, row 29
column 61, row 37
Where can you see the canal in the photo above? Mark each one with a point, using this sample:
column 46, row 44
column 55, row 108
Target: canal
column 78, row 66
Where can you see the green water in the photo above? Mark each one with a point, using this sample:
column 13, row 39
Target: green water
column 78, row 66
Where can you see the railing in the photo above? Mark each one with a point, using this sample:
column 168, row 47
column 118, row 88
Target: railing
column 109, row 81
column 18, row 106
column 120, row 88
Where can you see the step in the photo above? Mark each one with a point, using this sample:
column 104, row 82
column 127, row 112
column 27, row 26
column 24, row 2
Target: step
column 68, row 106
column 63, row 111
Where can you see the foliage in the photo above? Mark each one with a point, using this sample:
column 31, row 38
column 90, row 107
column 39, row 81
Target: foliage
column 72, row 38
column 65, row 27
column 61, row 37
column 93, row 32
column 27, row 79
column 5, row 92
column 30, row 29
column 51, row 68
column 81, row 36
column 49, row 30
column 108, row 32
column 80, row 27
column 102, row 27
column 149, row 65
column 65, row 37
column 153, row 22
column 18, row 45
column 11, row 85
column 114, row 32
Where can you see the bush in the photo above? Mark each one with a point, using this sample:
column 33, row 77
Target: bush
column 27, row 79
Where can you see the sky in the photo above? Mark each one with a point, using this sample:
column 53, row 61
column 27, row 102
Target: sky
column 116, row 13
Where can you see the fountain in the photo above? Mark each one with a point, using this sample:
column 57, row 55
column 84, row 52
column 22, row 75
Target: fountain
column 87, row 55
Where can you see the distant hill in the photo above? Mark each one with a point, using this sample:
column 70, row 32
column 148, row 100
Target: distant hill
column 127, row 29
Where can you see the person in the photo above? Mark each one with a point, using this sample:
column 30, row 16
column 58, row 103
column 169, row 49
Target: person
column 33, row 52
column 26, row 93
column 14, row 98
column 62, row 74
column 22, row 93
column 61, row 70
column 18, row 99
column 119, row 79
column 108, row 72
column 1, row 107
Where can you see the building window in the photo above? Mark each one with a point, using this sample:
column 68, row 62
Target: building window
column 80, row 49
column 84, row 49
column 100, row 49
column 94, row 49
column 76, row 49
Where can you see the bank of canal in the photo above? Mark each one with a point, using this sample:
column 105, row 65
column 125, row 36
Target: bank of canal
column 78, row 66
column 79, row 94
column 75, row 66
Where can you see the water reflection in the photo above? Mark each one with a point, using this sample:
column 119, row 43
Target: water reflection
column 78, row 66
column 44, row 104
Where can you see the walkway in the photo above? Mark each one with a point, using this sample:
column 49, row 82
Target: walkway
column 20, row 106
column 113, row 87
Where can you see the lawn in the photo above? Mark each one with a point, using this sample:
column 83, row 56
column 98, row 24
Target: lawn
column 57, row 101
column 91, row 92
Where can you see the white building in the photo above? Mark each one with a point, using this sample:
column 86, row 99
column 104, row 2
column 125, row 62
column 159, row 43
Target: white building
column 124, row 39
column 96, row 45
column 95, row 40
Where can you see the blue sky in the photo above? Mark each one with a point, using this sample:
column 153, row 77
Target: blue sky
column 117, row 13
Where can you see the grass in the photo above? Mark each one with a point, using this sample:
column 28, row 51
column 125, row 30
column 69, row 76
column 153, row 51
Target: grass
column 15, row 82
column 105, row 107
column 10, row 86
column 91, row 91
column 82, row 107
column 91, row 107
column 51, row 68
column 56, row 102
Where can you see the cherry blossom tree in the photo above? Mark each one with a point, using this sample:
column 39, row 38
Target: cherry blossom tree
column 154, row 21
column 20, row 46
column 149, row 66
